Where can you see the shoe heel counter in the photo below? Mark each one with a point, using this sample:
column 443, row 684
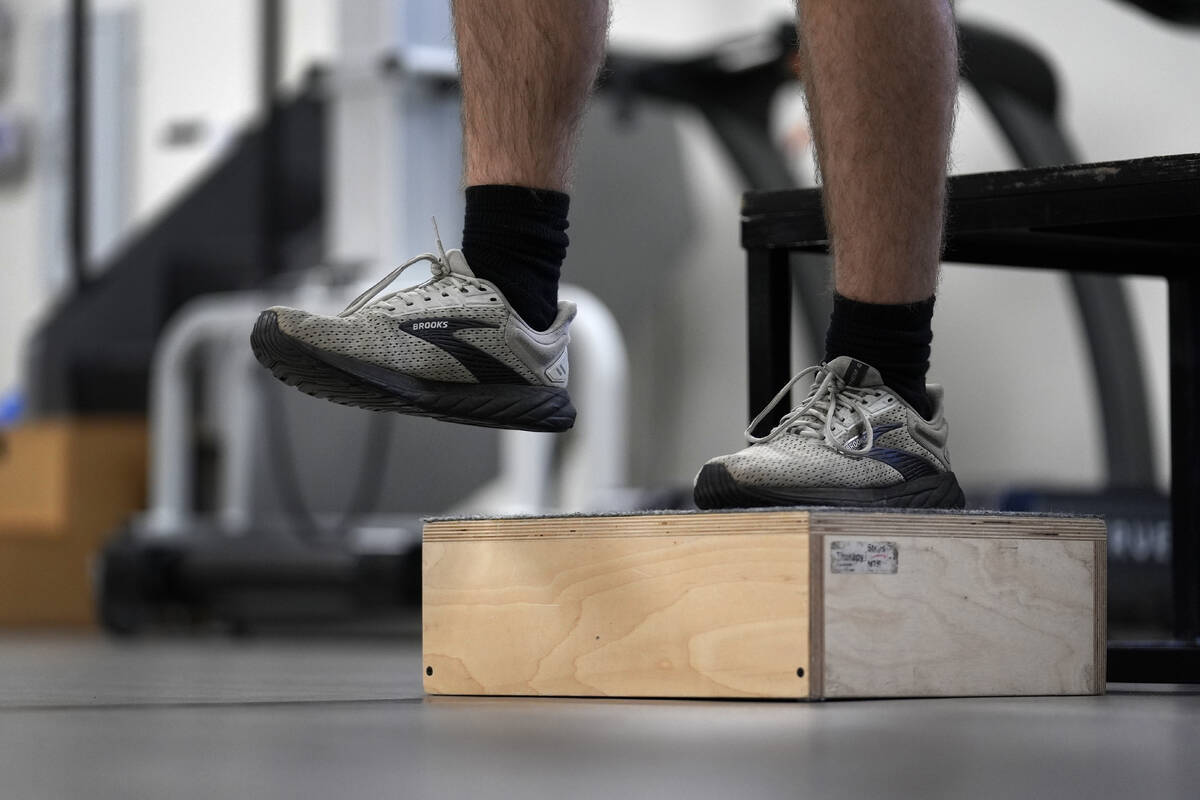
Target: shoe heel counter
column 933, row 435
column 543, row 354
column 559, row 370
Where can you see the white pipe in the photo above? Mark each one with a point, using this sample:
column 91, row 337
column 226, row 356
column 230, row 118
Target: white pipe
column 524, row 482
column 595, row 458
column 170, row 440
column 236, row 371
column 217, row 319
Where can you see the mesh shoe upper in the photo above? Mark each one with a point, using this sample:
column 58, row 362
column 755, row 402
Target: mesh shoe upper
column 851, row 431
column 453, row 328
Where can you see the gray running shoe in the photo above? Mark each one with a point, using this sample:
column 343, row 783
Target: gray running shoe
column 449, row 348
column 852, row 442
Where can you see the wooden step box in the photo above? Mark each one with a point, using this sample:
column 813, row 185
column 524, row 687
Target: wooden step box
column 797, row 603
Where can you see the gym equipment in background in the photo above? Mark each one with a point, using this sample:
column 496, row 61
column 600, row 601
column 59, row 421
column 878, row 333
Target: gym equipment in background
column 92, row 352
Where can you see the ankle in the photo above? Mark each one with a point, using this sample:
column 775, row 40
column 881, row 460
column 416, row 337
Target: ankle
column 516, row 238
column 894, row 339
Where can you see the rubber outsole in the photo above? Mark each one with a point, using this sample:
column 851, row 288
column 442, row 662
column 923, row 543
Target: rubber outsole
column 351, row 382
column 716, row 488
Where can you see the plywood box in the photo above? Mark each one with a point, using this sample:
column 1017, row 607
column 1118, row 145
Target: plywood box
column 804, row 604
column 66, row 485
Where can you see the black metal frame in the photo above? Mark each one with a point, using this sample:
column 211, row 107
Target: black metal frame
column 1124, row 217
column 271, row 22
column 78, row 235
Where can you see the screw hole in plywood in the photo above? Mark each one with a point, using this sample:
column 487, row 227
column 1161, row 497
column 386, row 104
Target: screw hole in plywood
column 800, row 672
column 429, row 671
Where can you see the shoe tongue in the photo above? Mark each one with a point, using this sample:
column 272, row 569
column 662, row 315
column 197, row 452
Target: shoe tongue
column 854, row 372
column 458, row 263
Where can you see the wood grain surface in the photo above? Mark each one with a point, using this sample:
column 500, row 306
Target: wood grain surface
column 681, row 614
column 961, row 525
column 964, row 616
column 617, row 525
column 709, row 605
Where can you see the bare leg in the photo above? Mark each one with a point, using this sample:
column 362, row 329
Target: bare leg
column 527, row 68
column 880, row 79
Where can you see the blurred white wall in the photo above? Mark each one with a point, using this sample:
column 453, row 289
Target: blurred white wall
column 1007, row 342
column 198, row 62
column 202, row 62
column 22, row 293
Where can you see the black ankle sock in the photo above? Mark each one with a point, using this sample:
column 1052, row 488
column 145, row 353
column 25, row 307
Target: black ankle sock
column 517, row 238
column 892, row 338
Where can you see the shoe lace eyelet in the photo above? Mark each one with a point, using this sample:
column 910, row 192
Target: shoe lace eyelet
column 445, row 294
column 492, row 299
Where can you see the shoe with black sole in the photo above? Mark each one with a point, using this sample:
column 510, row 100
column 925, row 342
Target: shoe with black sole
column 450, row 348
column 852, row 442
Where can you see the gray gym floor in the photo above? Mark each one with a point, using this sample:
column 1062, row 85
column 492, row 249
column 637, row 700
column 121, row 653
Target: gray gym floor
column 83, row 716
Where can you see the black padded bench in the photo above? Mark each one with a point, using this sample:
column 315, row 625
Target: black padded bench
column 1127, row 217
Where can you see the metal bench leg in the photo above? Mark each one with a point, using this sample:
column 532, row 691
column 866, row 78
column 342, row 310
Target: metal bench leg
column 769, row 321
column 1184, row 322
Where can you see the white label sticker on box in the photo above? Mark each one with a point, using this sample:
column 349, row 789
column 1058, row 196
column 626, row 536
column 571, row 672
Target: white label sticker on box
column 871, row 558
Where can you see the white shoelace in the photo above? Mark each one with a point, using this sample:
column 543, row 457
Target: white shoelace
column 440, row 272
column 814, row 417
